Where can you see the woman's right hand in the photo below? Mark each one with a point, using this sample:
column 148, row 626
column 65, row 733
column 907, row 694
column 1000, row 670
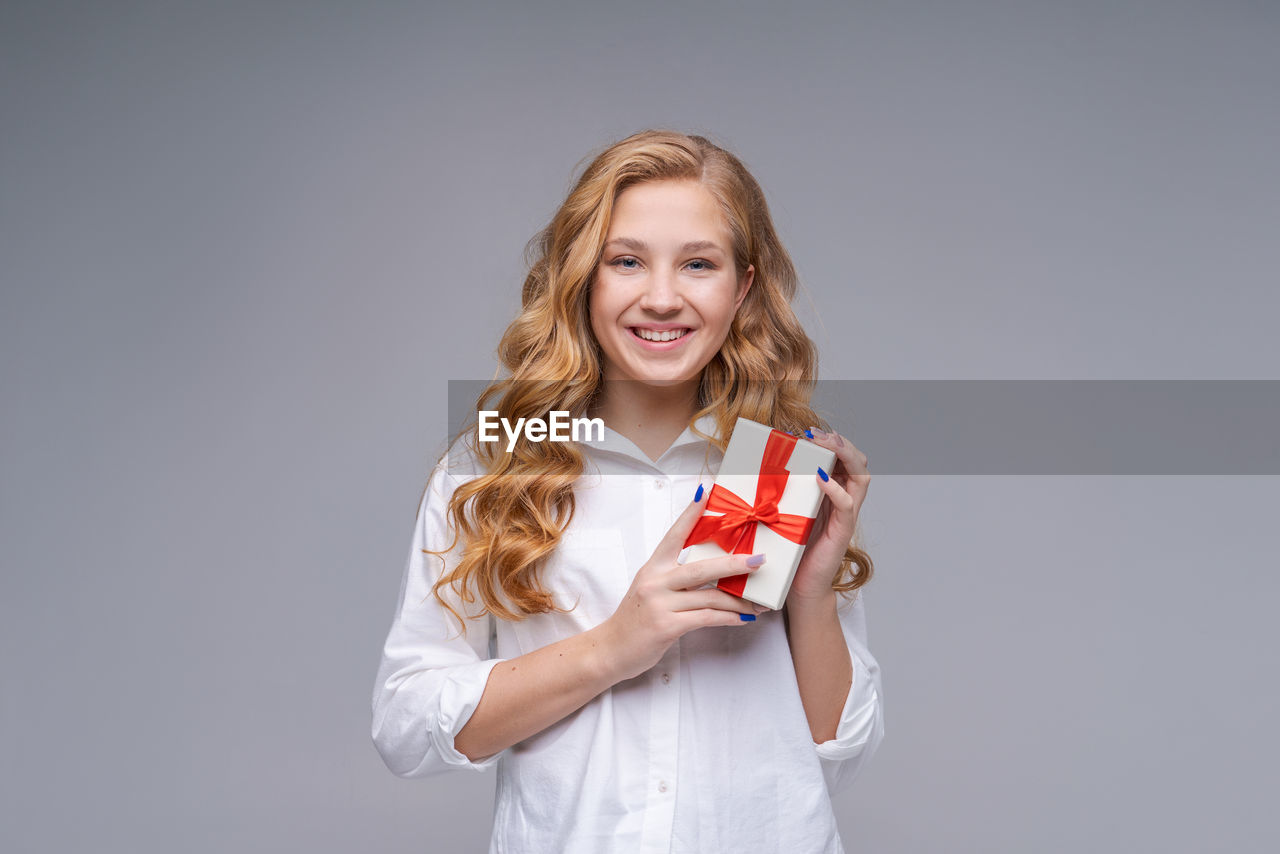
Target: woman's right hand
column 662, row 604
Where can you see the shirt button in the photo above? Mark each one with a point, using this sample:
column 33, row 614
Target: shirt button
column 662, row 786
column 658, row 484
column 666, row 679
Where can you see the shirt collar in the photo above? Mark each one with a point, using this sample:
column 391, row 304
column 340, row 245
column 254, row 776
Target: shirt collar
column 688, row 441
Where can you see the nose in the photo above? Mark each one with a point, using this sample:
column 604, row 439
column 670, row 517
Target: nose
column 662, row 294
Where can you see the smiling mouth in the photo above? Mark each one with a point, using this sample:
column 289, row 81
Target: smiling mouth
column 668, row 335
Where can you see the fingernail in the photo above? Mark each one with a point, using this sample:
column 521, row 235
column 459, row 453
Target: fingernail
column 755, row 560
column 808, row 434
column 760, row 609
column 822, row 474
column 697, row 496
column 747, row 618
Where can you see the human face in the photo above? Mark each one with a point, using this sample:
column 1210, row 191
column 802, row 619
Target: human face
column 666, row 272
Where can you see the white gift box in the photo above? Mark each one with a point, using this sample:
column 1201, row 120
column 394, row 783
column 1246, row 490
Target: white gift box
column 764, row 501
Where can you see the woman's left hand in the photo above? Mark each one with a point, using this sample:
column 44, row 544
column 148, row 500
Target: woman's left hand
column 845, row 490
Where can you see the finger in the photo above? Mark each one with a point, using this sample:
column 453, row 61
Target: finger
column 712, row 597
column 673, row 541
column 855, row 462
column 699, row 572
column 840, row 497
column 705, row 617
column 851, row 470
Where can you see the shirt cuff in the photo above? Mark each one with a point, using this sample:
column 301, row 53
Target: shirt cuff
column 861, row 725
column 459, row 696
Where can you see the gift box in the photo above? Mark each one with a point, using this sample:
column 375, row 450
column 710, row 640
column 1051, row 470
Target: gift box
column 764, row 501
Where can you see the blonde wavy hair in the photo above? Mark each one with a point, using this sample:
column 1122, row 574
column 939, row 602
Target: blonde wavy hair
column 511, row 517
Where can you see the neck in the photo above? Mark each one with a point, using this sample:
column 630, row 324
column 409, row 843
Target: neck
column 651, row 416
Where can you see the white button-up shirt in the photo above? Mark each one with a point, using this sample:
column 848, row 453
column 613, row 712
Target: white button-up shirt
column 709, row 750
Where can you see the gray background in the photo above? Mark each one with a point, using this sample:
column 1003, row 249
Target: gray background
column 245, row 245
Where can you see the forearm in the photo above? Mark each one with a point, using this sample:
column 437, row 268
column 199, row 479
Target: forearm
column 525, row 695
column 824, row 670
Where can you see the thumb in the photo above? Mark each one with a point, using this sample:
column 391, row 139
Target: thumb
column 673, row 542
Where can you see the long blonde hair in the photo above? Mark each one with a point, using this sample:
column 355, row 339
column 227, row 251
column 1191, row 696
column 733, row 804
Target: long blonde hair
column 511, row 516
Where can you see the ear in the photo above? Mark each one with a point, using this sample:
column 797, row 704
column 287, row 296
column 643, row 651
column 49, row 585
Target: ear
column 744, row 285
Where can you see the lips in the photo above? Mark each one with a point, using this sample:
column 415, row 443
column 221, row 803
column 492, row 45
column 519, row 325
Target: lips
column 660, row 338
column 660, row 335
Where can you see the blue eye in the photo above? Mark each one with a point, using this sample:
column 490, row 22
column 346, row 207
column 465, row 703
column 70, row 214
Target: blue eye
column 630, row 263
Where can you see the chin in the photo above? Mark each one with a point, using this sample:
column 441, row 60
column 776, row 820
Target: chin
column 660, row 381
column 664, row 383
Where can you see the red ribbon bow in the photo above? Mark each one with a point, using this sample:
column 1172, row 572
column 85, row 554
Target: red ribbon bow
column 735, row 530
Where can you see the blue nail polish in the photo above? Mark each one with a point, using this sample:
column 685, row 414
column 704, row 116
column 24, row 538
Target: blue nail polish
column 747, row 618
column 697, row 496
column 822, row 474
column 808, row 434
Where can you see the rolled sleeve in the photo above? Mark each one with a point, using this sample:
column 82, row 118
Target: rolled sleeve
column 459, row 696
column 861, row 727
column 432, row 674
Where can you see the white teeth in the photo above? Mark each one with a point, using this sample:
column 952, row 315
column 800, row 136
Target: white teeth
column 669, row 335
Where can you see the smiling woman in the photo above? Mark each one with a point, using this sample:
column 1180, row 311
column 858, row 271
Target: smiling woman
column 546, row 623
column 662, row 304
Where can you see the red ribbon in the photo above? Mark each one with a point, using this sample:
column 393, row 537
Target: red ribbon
column 735, row 530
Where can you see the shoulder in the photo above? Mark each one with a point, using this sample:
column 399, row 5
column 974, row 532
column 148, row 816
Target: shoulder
column 454, row 467
column 459, row 463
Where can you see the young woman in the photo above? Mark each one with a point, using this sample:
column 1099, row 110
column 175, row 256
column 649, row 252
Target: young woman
column 544, row 622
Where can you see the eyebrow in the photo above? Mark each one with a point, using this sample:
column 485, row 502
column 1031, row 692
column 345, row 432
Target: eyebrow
column 641, row 246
